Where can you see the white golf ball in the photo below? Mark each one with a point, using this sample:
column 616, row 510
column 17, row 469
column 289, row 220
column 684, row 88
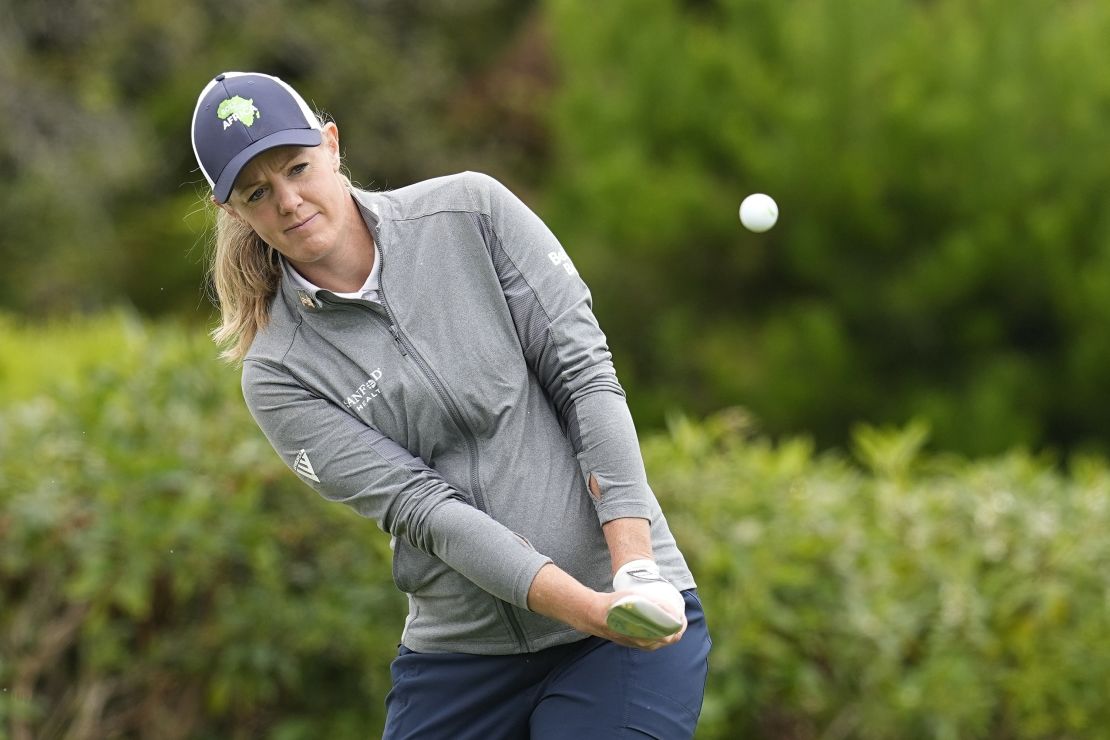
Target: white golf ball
column 758, row 212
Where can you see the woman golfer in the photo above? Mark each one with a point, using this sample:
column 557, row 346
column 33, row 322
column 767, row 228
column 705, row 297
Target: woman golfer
column 429, row 357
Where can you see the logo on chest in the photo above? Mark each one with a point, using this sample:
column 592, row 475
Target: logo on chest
column 366, row 392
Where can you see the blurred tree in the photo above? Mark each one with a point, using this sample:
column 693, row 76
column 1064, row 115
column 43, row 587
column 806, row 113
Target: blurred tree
column 103, row 201
column 943, row 249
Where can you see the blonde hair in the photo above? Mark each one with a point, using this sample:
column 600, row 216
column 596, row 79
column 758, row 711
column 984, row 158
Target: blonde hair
column 245, row 272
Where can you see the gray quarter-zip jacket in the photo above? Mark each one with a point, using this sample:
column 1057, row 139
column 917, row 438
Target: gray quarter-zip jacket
column 464, row 413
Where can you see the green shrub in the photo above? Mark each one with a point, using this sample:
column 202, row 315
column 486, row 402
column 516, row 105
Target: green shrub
column 163, row 575
column 896, row 595
column 35, row 357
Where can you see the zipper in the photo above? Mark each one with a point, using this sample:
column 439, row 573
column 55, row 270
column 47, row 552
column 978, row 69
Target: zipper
column 387, row 323
column 397, row 338
column 409, row 350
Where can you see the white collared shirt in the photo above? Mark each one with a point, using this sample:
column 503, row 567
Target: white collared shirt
column 368, row 291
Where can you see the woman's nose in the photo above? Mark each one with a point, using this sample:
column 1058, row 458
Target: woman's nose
column 288, row 198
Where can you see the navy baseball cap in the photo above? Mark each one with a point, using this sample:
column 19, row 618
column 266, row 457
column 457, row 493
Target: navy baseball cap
column 238, row 116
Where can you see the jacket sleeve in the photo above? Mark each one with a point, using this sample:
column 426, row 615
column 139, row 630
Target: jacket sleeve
column 553, row 313
column 347, row 461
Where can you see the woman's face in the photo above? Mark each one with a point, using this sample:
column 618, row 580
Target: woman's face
column 295, row 200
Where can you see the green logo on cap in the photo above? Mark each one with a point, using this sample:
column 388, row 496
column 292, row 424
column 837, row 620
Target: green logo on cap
column 238, row 109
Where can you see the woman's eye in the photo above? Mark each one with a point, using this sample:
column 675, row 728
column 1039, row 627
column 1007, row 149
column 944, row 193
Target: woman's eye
column 255, row 196
column 298, row 169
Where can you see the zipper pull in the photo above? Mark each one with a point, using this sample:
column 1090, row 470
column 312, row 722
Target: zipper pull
column 397, row 338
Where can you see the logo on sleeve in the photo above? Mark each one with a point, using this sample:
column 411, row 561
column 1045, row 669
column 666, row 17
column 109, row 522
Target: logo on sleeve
column 560, row 257
column 302, row 465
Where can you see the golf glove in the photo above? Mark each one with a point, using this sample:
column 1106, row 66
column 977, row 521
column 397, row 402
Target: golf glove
column 642, row 577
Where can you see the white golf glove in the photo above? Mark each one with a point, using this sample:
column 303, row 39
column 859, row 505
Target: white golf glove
column 642, row 577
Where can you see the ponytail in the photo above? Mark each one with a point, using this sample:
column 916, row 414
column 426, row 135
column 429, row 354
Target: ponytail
column 245, row 272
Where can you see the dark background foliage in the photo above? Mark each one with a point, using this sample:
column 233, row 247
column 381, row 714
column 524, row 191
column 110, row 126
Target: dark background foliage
column 943, row 248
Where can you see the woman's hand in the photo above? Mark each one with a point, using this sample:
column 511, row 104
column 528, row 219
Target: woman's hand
column 554, row 593
column 642, row 643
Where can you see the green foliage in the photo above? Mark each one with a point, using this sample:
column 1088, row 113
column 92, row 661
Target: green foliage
column 943, row 249
column 35, row 356
column 104, row 201
column 163, row 575
column 915, row 597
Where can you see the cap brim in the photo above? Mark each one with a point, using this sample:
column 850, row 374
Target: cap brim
column 289, row 137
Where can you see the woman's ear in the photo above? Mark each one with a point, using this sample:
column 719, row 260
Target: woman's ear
column 330, row 134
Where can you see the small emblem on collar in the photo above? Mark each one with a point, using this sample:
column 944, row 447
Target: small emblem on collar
column 306, row 299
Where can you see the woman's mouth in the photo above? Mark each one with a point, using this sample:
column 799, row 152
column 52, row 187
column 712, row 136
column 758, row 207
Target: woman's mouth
column 302, row 224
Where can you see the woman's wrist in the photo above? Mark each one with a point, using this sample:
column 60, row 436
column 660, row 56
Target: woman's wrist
column 555, row 593
column 628, row 539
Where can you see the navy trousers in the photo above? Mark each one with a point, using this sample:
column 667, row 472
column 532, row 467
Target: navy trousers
column 586, row 690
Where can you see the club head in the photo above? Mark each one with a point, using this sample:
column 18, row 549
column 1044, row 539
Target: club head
column 636, row 616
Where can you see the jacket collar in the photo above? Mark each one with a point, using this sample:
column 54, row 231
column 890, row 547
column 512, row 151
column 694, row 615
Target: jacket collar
column 372, row 206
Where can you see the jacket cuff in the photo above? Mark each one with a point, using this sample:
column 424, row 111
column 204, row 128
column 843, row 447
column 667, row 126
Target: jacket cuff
column 527, row 573
column 623, row 510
